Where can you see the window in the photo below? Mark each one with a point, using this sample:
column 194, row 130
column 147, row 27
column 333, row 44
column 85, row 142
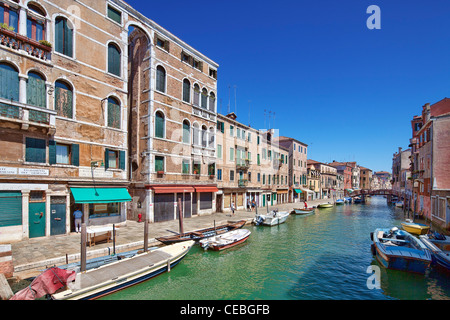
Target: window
column 97, row 210
column 196, row 95
column 35, row 150
column 195, row 135
column 161, row 43
column 211, row 169
column 186, row 132
column 186, row 91
column 161, row 79
column 259, row 177
column 204, row 137
column 35, row 29
column 219, row 151
column 204, row 99
column 114, row 59
column 159, row 125
column 36, row 92
column 114, row 159
column 9, row 82
column 113, row 113
column 60, row 153
column 9, row 16
column 219, row 174
column 185, row 57
column 231, row 175
column 114, row 15
column 185, row 168
column 159, row 164
column 231, row 154
column 213, row 73
column 231, row 131
column 63, row 99
column 212, row 102
column 196, row 168
column 63, row 37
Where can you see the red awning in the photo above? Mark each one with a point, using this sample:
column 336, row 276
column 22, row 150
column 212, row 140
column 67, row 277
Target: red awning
column 172, row 189
column 206, row 189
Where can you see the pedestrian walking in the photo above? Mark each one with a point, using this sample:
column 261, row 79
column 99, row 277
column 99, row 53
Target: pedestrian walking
column 232, row 208
column 77, row 215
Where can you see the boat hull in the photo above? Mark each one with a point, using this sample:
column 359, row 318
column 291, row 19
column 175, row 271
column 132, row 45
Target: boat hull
column 415, row 228
column 304, row 212
column 439, row 252
column 225, row 241
column 325, row 205
column 201, row 234
column 130, row 278
column 402, row 258
column 271, row 219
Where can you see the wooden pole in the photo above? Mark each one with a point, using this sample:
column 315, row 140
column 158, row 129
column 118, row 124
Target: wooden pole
column 146, row 233
column 83, row 247
column 180, row 216
column 114, row 239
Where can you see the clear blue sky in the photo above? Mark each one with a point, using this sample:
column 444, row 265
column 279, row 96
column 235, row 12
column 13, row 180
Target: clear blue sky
column 346, row 91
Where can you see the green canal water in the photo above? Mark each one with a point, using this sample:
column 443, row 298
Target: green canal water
column 323, row 256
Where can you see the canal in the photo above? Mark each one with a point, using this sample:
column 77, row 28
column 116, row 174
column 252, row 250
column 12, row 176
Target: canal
column 324, row 256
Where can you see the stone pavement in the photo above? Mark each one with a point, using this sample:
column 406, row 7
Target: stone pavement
column 31, row 257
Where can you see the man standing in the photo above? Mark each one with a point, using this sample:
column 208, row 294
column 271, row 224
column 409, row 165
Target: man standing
column 77, row 216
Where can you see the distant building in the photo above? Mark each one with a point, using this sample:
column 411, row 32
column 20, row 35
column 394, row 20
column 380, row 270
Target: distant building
column 401, row 172
column 345, row 170
column 365, row 178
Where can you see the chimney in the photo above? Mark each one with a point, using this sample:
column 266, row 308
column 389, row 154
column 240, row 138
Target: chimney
column 427, row 112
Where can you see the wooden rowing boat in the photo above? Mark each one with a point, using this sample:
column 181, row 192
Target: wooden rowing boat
column 225, row 240
column 304, row 212
column 415, row 228
column 203, row 233
column 116, row 276
column 325, row 205
column 271, row 219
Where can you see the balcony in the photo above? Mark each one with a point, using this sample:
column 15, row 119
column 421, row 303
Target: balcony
column 24, row 44
column 242, row 164
column 26, row 115
column 242, row 183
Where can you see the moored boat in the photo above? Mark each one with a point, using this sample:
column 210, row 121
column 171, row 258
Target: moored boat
column 304, row 211
column 415, row 228
column 203, row 233
column 116, row 276
column 271, row 219
column 439, row 245
column 325, row 205
column 225, row 240
column 339, row 201
column 357, row 200
column 399, row 250
column 399, row 204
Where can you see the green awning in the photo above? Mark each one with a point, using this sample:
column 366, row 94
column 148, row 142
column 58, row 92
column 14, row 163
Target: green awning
column 298, row 191
column 100, row 195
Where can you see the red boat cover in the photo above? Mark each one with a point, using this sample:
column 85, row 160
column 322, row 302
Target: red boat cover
column 48, row 282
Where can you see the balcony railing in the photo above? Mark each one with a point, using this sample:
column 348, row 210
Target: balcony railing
column 26, row 114
column 243, row 164
column 19, row 42
column 242, row 183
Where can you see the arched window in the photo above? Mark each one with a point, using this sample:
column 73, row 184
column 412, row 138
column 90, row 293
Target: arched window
column 204, row 137
column 36, row 92
column 186, row 91
column 212, row 102
column 196, row 95
column 186, row 131
column 160, row 79
column 159, row 125
column 211, row 137
column 113, row 113
column 35, row 26
column 204, row 99
column 63, row 37
column 114, row 59
column 63, row 99
column 196, row 135
column 9, row 82
column 9, row 16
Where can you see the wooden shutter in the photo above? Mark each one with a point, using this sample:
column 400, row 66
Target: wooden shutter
column 106, row 159
column 52, row 152
column 59, row 35
column 35, row 150
column 114, row 63
column 159, row 125
column 75, row 155
column 122, row 160
column 68, row 40
column 9, row 82
column 36, row 93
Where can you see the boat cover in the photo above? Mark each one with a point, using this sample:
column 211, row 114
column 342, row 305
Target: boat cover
column 48, row 282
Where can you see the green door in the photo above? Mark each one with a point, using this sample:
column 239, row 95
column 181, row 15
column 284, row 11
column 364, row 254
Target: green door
column 36, row 219
column 264, row 200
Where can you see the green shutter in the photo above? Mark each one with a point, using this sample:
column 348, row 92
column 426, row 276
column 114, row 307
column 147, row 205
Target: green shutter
column 122, row 160
column 59, row 35
column 75, row 155
column 9, row 82
column 68, row 40
column 35, row 150
column 36, row 93
column 159, row 125
column 106, row 159
column 10, row 208
column 159, row 163
column 52, row 152
column 114, row 15
column 113, row 60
